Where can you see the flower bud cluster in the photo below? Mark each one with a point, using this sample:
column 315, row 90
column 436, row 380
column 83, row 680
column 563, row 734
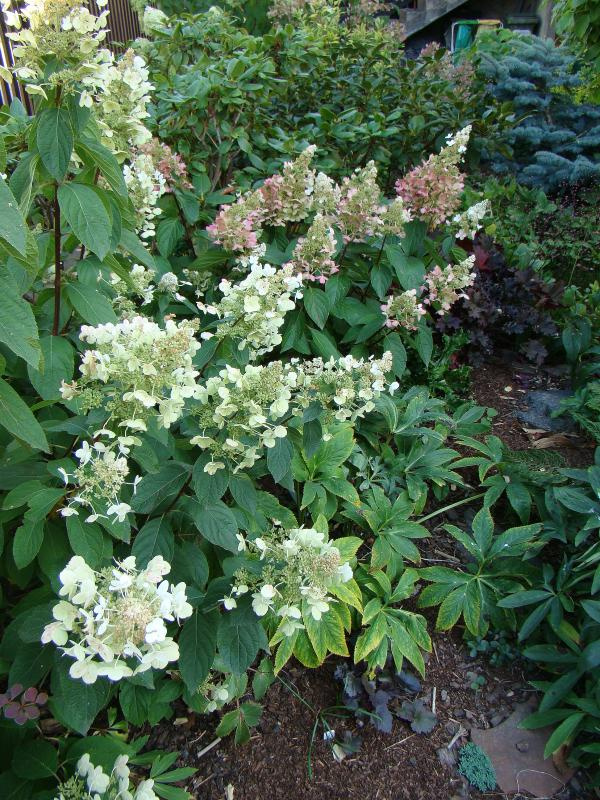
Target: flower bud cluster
column 236, row 225
column 313, row 253
column 444, row 285
column 113, row 622
column 403, row 310
column 288, row 197
column 120, row 92
column 469, row 221
column 346, row 386
column 253, row 310
column 299, row 568
column 92, row 783
column 145, row 184
column 359, row 209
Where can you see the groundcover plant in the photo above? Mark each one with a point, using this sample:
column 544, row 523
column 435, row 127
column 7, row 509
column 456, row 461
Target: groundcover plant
column 225, row 462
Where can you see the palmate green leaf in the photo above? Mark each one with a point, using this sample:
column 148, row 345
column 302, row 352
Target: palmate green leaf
column 349, row 593
column 57, row 365
column 403, row 646
column 326, row 634
column 54, row 139
column 197, row 648
column 85, row 212
column 12, row 225
column 451, row 609
column 18, row 419
column 18, row 328
column 371, row 638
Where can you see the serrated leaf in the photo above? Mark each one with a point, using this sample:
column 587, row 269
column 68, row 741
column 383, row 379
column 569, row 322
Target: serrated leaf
column 197, row 648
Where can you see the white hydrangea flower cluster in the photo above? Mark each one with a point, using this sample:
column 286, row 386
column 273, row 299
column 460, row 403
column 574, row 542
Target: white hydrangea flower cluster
column 63, row 30
column 394, row 217
column 299, row 568
column 146, row 184
column 313, row 254
column 456, row 147
column 92, row 783
column 147, row 371
column 359, row 209
column 253, row 310
column 99, row 477
column 348, row 386
column 116, row 615
column 119, row 92
column 469, row 221
column 245, row 407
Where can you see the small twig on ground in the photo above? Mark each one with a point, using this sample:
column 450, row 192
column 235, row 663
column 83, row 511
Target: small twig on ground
column 209, row 747
column 460, row 732
column 401, row 741
column 433, row 699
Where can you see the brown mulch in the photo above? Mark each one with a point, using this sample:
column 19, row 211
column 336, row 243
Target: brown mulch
column 399, row 766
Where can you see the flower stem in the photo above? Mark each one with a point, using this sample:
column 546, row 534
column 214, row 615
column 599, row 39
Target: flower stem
column 57, row 263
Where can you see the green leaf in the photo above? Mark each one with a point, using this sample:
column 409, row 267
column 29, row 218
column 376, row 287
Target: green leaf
column 92, row 305
column 18, row 328
column 135, row 702
column 217, row 523
column 12, row 225
column 263, row 678
column 74, row 703
column 240, row 638
column 326, row 634
column 135, row 247
column 89, row 220
column 424, row 343
column 27, row 542
column 88, row 541
column 393, row 343
column 317, row 305
column 323, row 345
column 520, row 500
column 342, row 488
column 95, row 153
column 410, row 270
column 279, row 459
column 208, row 488
column 160, row 488
column 18, row 419
column 35, row 759
column 451, row 609
column 154, row 539
column 54, row 138
column 561, row 734
column 370, row 638
column 197, row 648
column 168, row 234
column 57, row 365
column 243, row 492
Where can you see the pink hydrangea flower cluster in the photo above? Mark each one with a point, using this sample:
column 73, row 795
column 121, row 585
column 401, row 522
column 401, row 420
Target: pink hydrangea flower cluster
column 237, row 226
column 432, row 190
column 313, row 252
column 287, row 197
column 359, row 209
column 403, row 310
column 444, row 285
column 170, row 165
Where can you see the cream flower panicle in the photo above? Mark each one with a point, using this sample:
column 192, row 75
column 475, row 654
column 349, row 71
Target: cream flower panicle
column 112, row 622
